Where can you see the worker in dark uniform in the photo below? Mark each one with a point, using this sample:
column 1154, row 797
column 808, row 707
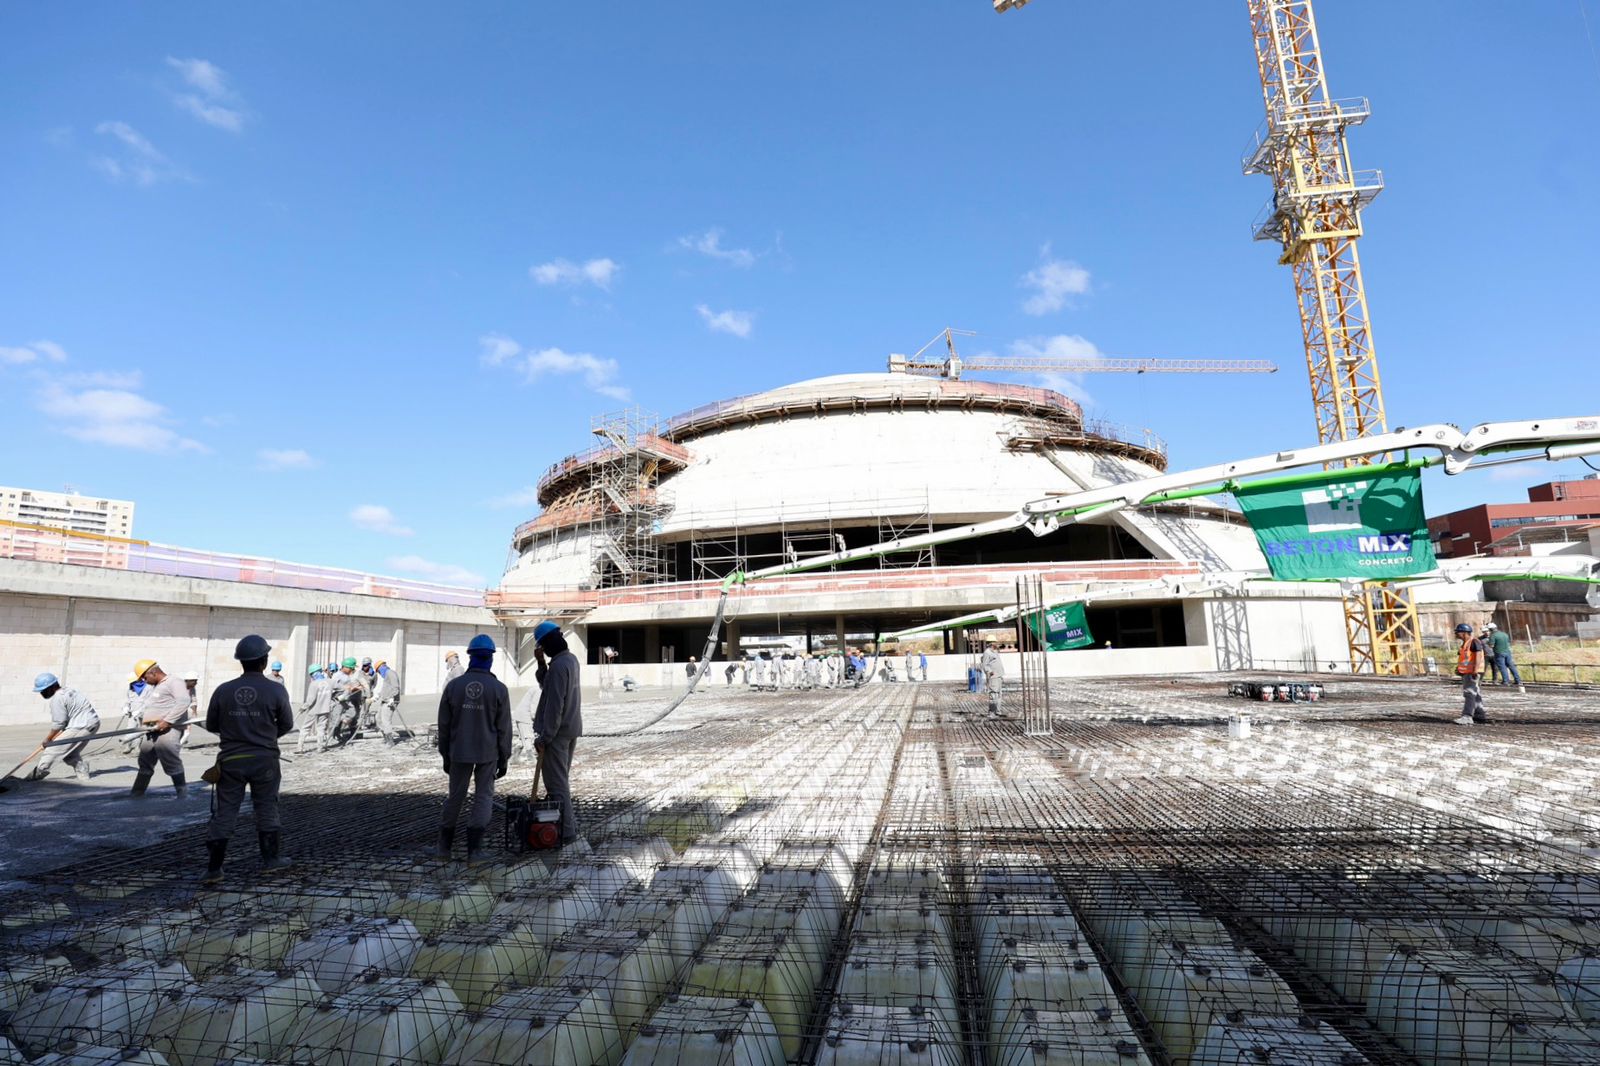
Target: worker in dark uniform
column 475, row 736
column 558, row 721
column 248, row 715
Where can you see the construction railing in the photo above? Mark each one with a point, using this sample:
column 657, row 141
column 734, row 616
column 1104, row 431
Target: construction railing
column 47, row 545
column 558, row 598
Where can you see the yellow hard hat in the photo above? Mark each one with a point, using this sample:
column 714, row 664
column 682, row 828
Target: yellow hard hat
column 141, row 666
column 451, row 655
column 379, row 663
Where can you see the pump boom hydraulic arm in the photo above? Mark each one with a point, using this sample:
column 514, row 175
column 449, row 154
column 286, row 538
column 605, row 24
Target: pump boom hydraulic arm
column 1458, row 450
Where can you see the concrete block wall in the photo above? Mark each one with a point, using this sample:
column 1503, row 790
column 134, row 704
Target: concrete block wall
column 90, row 627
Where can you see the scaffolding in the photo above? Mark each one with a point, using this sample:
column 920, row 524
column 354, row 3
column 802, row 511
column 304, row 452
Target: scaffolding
column 628, row 506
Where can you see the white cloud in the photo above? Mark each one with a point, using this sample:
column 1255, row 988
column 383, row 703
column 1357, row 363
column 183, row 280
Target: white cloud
column 140, row 161
column 709, row 243
column 443, row 573
column 212, row 114
column 375, row 518
column 209, row 103
column 20, row 355
column 275, row 459
column 598, row 373
column 497, row 348
column 738, row 323
column 104, row 379
column 120, row 418
column 1060, row 346
column 202, row 75
column 527, row 496
column 1052, row 282
column 597, row 272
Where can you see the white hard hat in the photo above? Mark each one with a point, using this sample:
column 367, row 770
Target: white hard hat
column 1491, row 625
column 191, row 676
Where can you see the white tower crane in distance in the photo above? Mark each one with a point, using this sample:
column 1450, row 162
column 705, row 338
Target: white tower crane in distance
column 952, row 365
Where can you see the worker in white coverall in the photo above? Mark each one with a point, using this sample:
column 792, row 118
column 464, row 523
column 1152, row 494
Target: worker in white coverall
column 386, row 692
column 165, row 710
column 133, row 711
column 993, row 677
column 316, row 713
column 558, row 723
column 72, row 718
column 452, row 667
column 475, row 734
column 191, row 682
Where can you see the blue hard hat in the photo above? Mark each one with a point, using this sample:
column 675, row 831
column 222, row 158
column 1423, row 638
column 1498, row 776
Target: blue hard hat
column 544, row 629
column 44, row 681
column 251, row 647
column 277, row 666
column 1463, row 628
column 481, row 642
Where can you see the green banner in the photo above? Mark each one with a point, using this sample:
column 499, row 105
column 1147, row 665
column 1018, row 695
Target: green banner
column 1063, row 627
column 1347, row 524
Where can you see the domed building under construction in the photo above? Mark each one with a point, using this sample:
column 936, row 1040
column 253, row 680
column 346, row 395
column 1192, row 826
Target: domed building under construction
column 637, row 533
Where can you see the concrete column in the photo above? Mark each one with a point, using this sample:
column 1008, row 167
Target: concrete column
column 66, row 637
column 808, row 636
column 732, row 640
column 838, row 627
column 652, row 644
column 297, row 656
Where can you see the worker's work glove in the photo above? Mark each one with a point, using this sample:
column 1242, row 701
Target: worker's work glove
column 446, row 759
column 500, row 769
column 538, row 745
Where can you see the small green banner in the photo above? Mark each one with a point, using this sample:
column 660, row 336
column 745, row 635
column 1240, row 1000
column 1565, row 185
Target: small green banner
column 1347, row 524
column 1062, row 628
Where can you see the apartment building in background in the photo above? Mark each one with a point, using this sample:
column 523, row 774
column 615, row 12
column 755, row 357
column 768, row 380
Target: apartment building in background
column 95, row 530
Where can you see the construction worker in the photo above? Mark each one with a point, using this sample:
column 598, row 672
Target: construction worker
column 191, row 683
column 911, row 665
column 922, row 664
column 558, row 723
column 72, row 717
column 744, row 669
column 475, row 734
column 348, row 682
column 275, row 673
column 386, row 691
column 1469, row 667
column 164, row 712
column 133, row 711
column 1505, row 668
column 452, row 666
column 316, row 713
column 248, row 714
column 691, row 668
column 993, row 676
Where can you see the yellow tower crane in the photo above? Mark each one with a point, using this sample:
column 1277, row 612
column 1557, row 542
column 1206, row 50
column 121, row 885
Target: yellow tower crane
column 1315, row 217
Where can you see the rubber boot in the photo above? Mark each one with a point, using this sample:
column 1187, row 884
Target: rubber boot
column 39, row 773
column 447, row 840
column 215, row 849
column 270, row 841
column 140, row 783
column 475, row 852
column 180, row 787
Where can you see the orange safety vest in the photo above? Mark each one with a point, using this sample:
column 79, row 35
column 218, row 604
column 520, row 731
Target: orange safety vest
column 1469, row 660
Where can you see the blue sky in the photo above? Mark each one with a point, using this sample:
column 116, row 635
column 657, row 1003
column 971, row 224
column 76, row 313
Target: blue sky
column 335, row 283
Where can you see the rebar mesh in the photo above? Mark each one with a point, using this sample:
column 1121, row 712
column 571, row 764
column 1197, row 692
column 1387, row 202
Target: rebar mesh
column 887, row 874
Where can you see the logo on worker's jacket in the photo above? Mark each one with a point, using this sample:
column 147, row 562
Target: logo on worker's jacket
column 1334, row 507
column 475, row 690
column 243, row 696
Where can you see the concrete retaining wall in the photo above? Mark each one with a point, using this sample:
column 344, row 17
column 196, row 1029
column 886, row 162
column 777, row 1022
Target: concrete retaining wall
column 90, row 626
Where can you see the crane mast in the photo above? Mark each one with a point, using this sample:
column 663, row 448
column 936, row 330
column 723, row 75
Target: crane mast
column 1315, row 215
column 1315, row 218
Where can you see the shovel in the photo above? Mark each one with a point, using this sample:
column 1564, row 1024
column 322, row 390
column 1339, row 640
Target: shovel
column 20, row 765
